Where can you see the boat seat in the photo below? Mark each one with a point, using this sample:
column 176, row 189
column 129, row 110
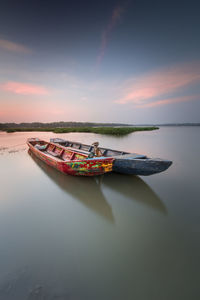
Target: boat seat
column 79, row 150
column 131, row 156
column 54, row 154
column 41, row 147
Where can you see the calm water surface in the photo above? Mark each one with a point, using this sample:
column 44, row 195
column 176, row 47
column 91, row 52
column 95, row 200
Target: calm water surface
column 110, row 237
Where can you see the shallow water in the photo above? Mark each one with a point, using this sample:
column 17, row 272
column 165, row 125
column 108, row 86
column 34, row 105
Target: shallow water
column 110, row 237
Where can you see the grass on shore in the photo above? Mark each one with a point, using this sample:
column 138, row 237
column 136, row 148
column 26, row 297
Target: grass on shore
column 100, row 130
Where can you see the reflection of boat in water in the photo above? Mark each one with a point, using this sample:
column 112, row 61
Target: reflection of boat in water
column 133, row 187
column 85, row 189
column 88, row 190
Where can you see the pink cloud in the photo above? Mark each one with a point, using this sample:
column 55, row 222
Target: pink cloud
column 169, row 101
column 23, row 113
column 160, row 83
column 116, row 15
column 24, row 88
column 13, row 110
column 14, row 47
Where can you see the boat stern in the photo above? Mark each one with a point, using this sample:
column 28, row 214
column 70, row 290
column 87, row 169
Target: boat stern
column 143, row 166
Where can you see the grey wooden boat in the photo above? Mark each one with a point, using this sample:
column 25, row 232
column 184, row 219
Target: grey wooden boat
column 124, row 162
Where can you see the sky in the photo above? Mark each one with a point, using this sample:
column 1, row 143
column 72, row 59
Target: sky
column 135, row 62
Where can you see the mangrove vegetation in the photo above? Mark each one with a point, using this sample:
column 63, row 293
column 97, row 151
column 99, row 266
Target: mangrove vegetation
column 118, row 131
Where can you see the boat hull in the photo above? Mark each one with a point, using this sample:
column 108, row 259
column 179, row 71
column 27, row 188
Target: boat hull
column 87, row 167
column 124, row 162
column 143, row 167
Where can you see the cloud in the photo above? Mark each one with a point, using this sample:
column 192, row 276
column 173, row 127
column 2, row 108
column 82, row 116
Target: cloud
column 161, row 83
column 169, row 101
column 116, row 16
column 24, row 88
column 14, row 47
column 15, row 110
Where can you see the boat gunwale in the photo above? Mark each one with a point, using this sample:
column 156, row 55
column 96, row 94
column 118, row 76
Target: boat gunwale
column 100, row 148
column 122, row 154
column 60, row 160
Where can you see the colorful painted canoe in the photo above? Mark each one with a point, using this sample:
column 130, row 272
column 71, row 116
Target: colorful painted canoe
column 68, row 160
column 124, row 162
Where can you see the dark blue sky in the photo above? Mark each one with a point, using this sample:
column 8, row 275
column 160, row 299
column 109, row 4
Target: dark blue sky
column 126, row 61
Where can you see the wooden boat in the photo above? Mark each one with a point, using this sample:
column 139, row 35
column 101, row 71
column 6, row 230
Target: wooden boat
column 68, row 160
column 124, row 162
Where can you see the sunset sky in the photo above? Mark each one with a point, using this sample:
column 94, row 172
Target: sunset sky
column 100, row 61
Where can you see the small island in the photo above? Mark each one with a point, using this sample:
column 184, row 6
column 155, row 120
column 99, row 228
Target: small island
column 67, row 127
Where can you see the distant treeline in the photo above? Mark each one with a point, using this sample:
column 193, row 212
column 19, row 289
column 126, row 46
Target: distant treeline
column 118, row 131
column 171, row 124
column 4, row 126
column 53, row 125
column 180, row 124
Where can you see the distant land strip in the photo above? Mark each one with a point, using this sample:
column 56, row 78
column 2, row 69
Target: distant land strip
column 61, row 124
column 53, row 125
column 117, row 131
